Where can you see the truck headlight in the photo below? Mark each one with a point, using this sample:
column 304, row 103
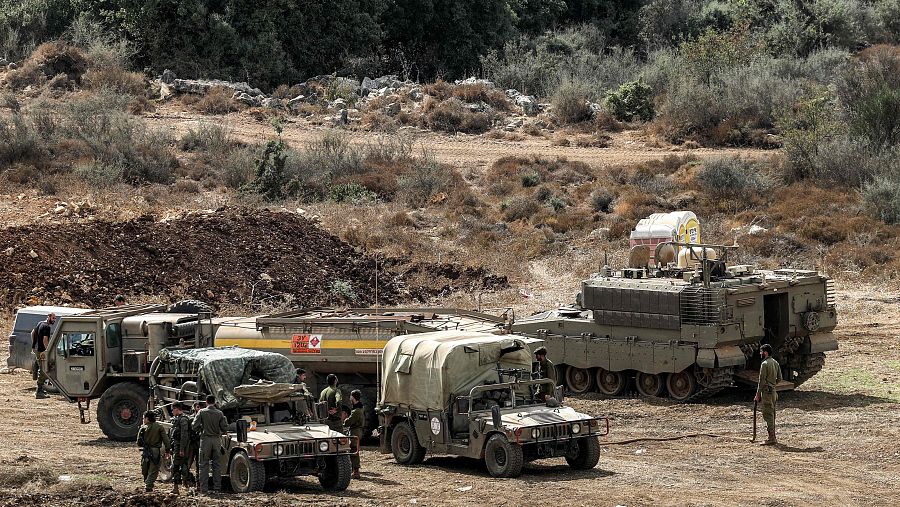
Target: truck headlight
column 277, row 449
column 536, row 433
column 576, row 428
column 323, row 446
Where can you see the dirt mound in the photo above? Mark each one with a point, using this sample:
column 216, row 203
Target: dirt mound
column 227, row 257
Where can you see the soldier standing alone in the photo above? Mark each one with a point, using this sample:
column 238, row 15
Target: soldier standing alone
column 355, row 424
column 211, row 424
column 151, row 439
column 545, row 369
column 40, row 338
column 181, row 446
column 769, row 377
column 332, row 396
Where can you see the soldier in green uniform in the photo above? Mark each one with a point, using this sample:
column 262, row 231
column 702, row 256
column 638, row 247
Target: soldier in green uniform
column 151, row 439
column 545, row 369
column 769, row 377
column 193, row 459
column 211, row 424
column 181, row 446
column 354, row 425
column 332, row 396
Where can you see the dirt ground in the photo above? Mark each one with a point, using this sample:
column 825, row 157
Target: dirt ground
column 838, row 436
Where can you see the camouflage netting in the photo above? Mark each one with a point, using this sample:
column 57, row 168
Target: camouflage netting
column 222, row 369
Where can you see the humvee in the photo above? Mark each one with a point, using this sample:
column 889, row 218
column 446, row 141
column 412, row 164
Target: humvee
column 471, row 394
column 275, row 430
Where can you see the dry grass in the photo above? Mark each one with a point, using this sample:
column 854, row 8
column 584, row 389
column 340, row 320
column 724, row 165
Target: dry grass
column 118, row 79
column 218, row 100
column 451, row 115
column 48, row 61
column 471, row 93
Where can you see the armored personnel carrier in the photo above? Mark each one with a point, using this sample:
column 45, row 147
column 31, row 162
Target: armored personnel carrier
column 682, row 322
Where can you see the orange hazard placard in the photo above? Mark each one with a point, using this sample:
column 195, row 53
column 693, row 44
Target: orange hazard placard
column 306, row 344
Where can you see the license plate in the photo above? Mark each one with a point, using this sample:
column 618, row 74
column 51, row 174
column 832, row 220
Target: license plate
column 76, row 368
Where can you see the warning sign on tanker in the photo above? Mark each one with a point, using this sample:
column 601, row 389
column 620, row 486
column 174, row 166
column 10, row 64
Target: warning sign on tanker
column 306, row 344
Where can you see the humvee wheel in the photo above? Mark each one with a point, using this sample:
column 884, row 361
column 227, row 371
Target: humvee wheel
column 650, row 384
column 586, row 453
column 246, row 475
column 405, row 445
column 503, row 459
column 611, row 383
column 579, row 380
column 337, row 473
column 682, row 385
column 120, row 411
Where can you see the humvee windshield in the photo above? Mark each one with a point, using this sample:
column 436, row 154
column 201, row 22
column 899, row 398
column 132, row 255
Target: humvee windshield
column 507, row 395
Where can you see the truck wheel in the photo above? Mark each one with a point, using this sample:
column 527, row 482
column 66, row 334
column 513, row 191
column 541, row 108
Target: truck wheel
column 189, row 306
column 120, row 411
column 246, row 475
column 337, row 473
column 503, row 458
column 585, row 455
column 405, row 445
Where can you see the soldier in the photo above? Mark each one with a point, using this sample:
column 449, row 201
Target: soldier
column 301, row 376
column 769, row 377
column 332, row 396
column 354, row 425
column 119, row 300
column 545, row 369
column 40, row 338
column 210, row 422
column 181, row 446
column 194, row 456
column 151, row 438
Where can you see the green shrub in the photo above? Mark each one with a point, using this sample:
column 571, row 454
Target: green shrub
column 100, row 175
column 424, row 180
column 601, row 200
column 531, row 179
column 882, row 195
column 869, row 96
column 19, row 142
column 631, row 100
column 209, row 137
column 352, row 193
column 732, row 178
column 270, row 177
column 520, row 209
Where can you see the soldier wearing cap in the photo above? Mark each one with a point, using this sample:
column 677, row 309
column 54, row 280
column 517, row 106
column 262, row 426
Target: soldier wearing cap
column 769, row 377
column 544, row 368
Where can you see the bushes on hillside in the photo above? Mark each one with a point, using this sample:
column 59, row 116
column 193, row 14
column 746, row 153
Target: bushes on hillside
column 631, row 101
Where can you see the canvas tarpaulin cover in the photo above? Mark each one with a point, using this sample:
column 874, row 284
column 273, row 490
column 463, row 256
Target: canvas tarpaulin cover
column 422, row 371
column 221, row 369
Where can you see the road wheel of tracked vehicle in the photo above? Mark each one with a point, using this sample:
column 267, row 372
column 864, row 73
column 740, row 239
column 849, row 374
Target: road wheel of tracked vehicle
column 682, row 385
column 650, row 384
column 405, row 445
column 120, row 411
column 503, row 458
column 189, row 306
column 611, row 383
column 586, row 453
column 337, row 473
column 579, row 380
column 246, row 475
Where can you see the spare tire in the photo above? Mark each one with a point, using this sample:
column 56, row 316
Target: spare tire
column 190, row 306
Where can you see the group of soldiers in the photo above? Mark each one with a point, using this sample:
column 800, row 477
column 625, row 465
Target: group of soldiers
column 196, row 434
column 195, row 438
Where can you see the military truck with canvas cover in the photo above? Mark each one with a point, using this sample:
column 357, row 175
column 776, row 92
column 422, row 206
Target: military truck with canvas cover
column 688, row 326
column 471, row 394
column 274, row 431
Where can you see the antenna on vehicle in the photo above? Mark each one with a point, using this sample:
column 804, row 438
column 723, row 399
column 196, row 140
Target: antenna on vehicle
column 377, row 336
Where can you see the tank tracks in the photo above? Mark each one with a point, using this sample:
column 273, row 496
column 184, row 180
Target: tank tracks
column 710, row 381
column 809, row 365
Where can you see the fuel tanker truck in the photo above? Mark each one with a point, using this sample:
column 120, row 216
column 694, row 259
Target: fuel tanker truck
column 106, row 354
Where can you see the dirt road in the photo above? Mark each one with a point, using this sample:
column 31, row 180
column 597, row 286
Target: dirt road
column 462, row 150
column 839, row 436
